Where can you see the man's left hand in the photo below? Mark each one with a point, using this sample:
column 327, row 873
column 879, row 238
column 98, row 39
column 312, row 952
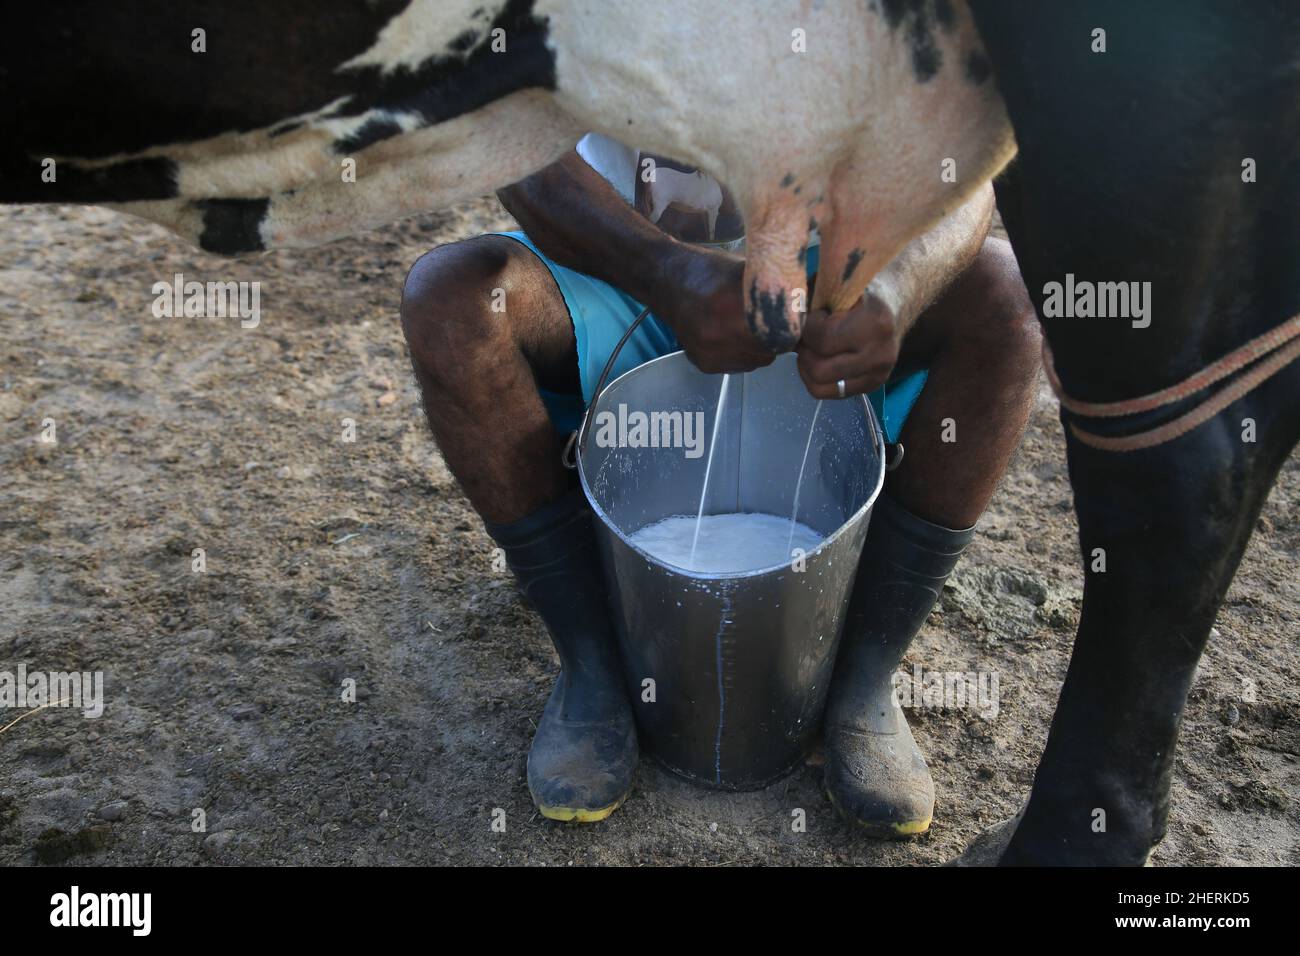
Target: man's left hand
column 859, row 345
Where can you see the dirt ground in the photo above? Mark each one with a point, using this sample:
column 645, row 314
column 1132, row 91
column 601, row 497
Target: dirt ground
column 328, row 561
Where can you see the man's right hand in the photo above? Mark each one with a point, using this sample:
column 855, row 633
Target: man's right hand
column 699, row 294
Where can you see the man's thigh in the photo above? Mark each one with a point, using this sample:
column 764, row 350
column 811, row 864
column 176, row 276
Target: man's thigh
column 598, row 314
column 485, row 290
column 539, row 317
column 970, row 312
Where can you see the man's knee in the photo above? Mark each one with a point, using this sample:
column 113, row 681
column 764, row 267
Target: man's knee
column 1002, row 314
column 451, row 295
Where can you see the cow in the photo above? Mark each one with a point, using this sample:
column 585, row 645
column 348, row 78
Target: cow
column 1162, row 150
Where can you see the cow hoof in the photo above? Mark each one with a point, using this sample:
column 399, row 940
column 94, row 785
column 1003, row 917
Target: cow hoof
column 990, row 849
column 987, row 848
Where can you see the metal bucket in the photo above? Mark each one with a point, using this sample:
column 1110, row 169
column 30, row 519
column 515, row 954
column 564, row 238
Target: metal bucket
column 728, row 673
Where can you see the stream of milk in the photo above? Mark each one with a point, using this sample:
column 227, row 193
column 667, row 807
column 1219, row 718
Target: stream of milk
column 713, row 544
column 794, row 512
column 708, row 466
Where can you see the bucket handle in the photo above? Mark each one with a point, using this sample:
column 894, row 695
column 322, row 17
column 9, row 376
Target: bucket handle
column 601, row 382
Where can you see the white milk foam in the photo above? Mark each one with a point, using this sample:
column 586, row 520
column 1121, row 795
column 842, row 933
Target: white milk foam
column 727, row 542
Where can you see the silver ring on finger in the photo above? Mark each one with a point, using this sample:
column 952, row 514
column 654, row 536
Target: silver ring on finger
column 839, row 387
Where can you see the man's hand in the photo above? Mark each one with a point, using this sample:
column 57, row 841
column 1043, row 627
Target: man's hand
column 859, row 346
column 699, row 295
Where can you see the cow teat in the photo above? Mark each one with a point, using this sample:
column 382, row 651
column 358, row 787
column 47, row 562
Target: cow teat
column 776, row 281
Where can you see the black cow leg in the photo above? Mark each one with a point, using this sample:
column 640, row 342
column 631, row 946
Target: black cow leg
column 1172, row 522
column 1131, row 170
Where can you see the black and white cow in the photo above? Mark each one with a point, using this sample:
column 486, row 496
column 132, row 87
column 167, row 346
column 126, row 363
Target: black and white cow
column 871, row 119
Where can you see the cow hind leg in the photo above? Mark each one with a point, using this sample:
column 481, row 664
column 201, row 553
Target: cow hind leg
column 1162, row 532
column 429, row 169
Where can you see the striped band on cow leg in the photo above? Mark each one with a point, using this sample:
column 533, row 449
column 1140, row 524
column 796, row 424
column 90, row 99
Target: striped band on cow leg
column 1272, row 341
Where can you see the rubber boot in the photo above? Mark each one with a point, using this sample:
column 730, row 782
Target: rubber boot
column 876, row 776
column 584, row 753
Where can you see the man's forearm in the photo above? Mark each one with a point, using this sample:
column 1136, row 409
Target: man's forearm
column 929, row 263
column 576, row 218
column 579, row 220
